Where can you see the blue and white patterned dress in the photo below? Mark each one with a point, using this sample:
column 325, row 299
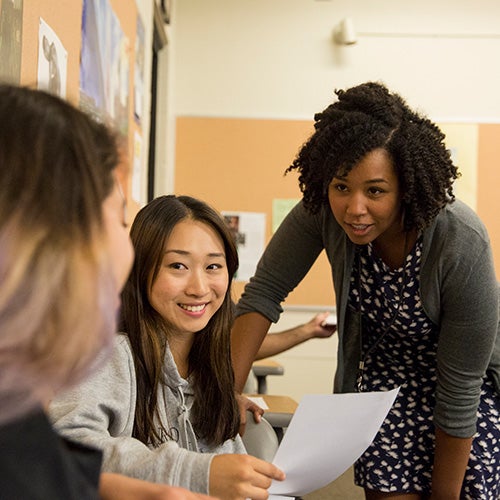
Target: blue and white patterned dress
column 401, row 455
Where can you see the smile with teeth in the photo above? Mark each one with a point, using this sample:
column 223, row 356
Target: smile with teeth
column 189, row 308
column 359, row 227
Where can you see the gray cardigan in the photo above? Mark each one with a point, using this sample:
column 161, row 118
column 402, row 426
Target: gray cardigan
column 100, row 413
column 458, row 289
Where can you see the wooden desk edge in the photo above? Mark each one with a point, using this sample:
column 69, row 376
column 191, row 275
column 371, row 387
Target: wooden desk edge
column 277, row 403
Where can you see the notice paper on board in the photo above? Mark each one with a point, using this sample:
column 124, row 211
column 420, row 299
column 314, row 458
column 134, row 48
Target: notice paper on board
column 326, row 435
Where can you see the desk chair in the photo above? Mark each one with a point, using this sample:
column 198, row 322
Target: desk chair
column 260, row 439
column 264, row 367
column 279, row 412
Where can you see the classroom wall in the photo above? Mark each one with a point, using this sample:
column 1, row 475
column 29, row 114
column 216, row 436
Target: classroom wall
column 308, row 368
column 264, row 66
column 238, row 164
column 244, row 72
column 257, row 64
column 488, row 201
column 276, row 59
column 65, row 19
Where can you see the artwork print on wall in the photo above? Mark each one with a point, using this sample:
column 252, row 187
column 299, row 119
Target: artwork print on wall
column 104, row 64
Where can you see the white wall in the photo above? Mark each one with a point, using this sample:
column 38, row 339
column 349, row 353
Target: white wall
column 308, row 368
column 276, row 59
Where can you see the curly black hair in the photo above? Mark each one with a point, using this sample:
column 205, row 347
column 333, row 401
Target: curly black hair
column 367, row 117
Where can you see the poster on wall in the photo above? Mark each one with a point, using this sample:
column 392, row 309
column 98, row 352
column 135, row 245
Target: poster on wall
column 104, row 64
column 11, row 29
column 52, row 61
column 248, row 229
column 281, row 208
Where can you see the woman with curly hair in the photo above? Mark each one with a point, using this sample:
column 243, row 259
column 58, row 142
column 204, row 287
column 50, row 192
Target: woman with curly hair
column 416, row 293
column 164, row 409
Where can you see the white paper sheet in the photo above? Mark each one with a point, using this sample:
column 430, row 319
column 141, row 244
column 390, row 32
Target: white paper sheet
column 258, row 400
column 327, row 434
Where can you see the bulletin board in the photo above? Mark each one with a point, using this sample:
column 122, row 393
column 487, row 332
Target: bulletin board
column 488, row 201
column 239, row 165
column 65, row 19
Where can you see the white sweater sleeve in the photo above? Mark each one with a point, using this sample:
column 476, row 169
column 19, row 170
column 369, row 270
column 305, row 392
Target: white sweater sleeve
column 100, row 413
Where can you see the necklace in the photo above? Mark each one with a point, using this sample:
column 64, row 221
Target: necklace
column 363, row 358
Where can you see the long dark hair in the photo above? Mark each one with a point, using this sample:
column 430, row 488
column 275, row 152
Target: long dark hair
column 214, row 414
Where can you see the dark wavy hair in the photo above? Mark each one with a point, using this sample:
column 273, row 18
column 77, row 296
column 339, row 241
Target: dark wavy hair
column 214, row 414
column 368, row 117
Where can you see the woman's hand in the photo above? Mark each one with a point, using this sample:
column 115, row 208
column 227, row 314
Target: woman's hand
column 119, row 487
column 245, row 405
column 237, row 477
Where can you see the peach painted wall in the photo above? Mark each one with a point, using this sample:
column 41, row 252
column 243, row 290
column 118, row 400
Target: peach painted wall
column 238, row 165
column 488, row 182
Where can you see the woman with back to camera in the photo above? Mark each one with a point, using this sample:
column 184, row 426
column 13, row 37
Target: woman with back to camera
column 64, row 255
column 164, row 409
column 416, row 293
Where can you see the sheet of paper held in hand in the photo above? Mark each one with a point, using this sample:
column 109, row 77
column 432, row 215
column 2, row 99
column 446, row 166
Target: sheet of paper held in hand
column 326, row 435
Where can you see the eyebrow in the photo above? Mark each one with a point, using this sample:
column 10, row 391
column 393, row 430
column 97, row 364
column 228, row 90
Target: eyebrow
column 185, row 252
column 370, row 181
column 377, row 181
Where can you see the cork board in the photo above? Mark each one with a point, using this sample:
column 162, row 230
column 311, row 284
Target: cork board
column 238, row 165
column 65, row 19
column 488, row 180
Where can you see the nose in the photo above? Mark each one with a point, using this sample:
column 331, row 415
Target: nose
column 356, row 205
column 197, row 285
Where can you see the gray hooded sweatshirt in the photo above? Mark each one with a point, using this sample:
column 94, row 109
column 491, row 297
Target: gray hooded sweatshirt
column 100, row 413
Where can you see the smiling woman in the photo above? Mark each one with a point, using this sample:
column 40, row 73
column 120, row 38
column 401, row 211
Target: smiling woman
column 190, row 286
column 165, row 407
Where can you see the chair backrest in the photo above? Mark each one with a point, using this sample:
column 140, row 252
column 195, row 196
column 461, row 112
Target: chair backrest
column 260, row 439
column 251, row 386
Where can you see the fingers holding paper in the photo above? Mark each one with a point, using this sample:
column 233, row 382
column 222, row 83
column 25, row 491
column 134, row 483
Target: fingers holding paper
column 237, row 477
